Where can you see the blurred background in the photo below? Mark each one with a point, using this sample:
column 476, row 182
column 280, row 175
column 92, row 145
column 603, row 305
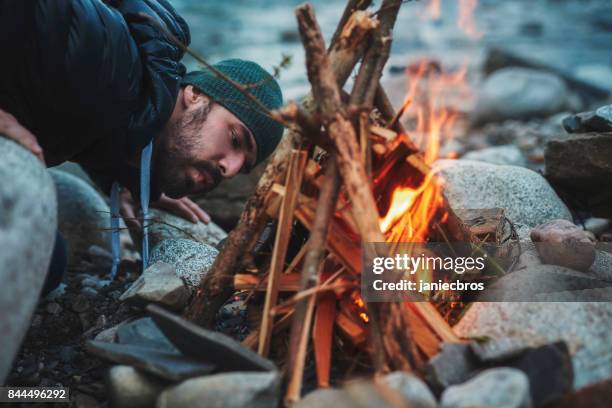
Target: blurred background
column 443, row 58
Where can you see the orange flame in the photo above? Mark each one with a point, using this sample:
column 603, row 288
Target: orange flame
column 412, row 208
column 465, row 16
column 433, row 10
column 466, row 21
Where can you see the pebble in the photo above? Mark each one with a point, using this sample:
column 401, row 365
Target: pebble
column 560, row 242
column 80, row 303
column 54, row 308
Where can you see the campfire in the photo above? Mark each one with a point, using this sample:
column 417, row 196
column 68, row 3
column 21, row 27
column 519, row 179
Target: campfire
column 350, row 173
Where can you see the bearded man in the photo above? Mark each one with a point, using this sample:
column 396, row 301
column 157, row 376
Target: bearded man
column 100, row 83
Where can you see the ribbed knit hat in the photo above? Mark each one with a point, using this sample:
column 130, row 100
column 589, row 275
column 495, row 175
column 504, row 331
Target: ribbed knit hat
column 266, row 131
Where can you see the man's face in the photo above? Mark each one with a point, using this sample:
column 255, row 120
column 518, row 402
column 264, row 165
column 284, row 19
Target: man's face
column 200, row 146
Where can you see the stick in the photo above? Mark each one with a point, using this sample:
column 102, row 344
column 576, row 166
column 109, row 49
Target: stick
column 293, row 183
column 370, row 71
column 322, row 334
column 300, row 328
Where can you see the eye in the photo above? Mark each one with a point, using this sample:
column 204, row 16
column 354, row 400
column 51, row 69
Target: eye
column 235, row 140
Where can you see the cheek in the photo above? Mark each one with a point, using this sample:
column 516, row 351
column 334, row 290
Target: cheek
column 213, row 141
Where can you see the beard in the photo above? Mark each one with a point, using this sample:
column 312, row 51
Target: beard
column 174, row 156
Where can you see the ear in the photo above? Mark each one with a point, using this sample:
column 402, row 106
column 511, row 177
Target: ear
column 193, row 97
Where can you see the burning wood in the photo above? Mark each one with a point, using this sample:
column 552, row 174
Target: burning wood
column 346, row 198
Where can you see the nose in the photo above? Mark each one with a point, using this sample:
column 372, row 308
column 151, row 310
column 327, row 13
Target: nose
column 231, row 164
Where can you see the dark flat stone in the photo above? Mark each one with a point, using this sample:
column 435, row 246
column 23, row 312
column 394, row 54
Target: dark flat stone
column 224, row 352
column 550, row 372
column 143, row 332
column 169, row 366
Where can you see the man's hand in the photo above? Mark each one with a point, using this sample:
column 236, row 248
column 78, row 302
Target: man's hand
column 182, row 207
column 11, row 128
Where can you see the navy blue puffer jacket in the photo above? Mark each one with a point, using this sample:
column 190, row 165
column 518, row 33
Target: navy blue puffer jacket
column 93, row 80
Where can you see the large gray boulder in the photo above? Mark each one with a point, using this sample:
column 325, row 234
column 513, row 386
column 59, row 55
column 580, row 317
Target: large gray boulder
column 584, row 326
column 520, row 93
column 28, row 223
column 83, row 215
column 525, row 195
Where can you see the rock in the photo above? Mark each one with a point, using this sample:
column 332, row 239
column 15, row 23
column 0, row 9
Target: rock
column 67, row 354
column 129, row 388
column 227, row 390
column 580, row 158
column 599, row 75
column 160, row 284
column 453, row 365
column 602, row 266
column 28, row 222
column 100, row 256
column 326, row 397
column 191, row 259
column 560, row 242
column 224, row 352
column 166, row 365
column 525, row 195
column 493, row 388
column 586, row 122
column 596, row 225
column 583, row 295
column 89, row 292
column 75, row 170
column 80, row 303
column 144, row 332
column 549, row 370
column 83, row 215
column 85, row 401
column 370, row 394
column 520, row 93
column 109, row 335
column 584, row 326
column 412, row 389
column 165, row 225
column 54, row 308
column 498, row 350
column 505, row 155
column 527, row 284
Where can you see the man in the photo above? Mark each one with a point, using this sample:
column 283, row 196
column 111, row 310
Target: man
column 100, row 83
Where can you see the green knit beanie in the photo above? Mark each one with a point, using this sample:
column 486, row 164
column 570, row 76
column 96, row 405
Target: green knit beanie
column 266, row 131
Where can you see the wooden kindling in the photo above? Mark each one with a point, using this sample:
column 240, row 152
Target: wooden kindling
column 293, row 183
